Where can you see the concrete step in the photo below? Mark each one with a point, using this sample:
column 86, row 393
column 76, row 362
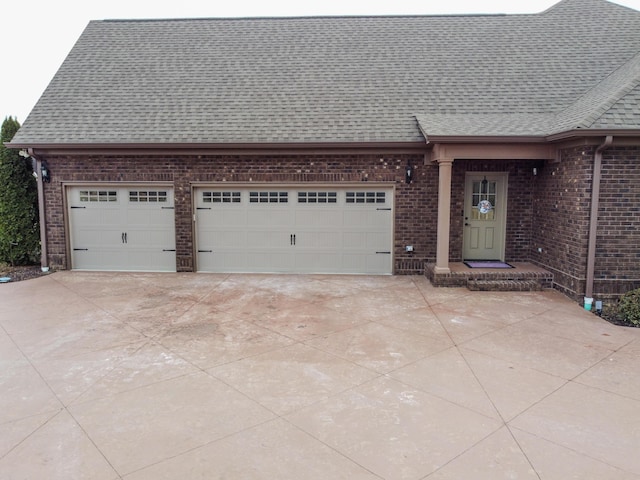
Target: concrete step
column 502, row 285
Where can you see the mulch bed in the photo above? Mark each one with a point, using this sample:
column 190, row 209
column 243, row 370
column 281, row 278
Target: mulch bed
column 18, row 274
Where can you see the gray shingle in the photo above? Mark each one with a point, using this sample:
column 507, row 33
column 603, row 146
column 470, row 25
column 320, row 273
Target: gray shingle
column 333, row 79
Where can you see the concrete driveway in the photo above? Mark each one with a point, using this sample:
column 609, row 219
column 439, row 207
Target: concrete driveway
column 204, row 376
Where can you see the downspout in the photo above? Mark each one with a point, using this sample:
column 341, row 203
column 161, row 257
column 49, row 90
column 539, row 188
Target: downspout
column 44, row 262
column 595, row 206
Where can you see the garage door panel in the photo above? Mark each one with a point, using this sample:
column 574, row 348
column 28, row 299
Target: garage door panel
column 97, row 217
column 358, row 218
column 156, row 217
column 152, row 238
column 270, row 262
column 368, row 263
column 319, row 241
column 239, row 260
column 318, row 218
column 367, row 219
column 103, row 239
column 378, row 241
column 164, row 261
column 224, row 240
column 376, row 263
column 267, row 240
column 319, row 262
column 272, row 218
column 106, row 259
column 372, row 241
column 232, row 217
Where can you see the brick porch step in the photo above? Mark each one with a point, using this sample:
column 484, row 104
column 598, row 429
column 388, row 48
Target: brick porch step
column 524, row 277
column 498, row 285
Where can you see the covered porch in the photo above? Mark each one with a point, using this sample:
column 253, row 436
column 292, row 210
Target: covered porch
column 446, row 271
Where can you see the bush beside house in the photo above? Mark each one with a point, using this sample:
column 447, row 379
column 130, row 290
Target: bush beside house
column 19, row 231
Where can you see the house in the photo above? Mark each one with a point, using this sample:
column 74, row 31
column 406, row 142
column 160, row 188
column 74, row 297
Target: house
column 377, row 145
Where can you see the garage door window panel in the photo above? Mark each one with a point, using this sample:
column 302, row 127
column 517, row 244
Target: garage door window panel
column 268, row 197
column 98, row 196
column 317, row 197
column 148, row 197
column 366, row 197
column 221, row 197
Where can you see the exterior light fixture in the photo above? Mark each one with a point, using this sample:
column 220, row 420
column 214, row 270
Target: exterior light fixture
column 45, row 172
column 408, row 173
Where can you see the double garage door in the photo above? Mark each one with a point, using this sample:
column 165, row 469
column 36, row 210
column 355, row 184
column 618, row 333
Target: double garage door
column 283, row 230
column 300, row 230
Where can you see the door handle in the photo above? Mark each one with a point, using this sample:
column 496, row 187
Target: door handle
column 466, row 224
column 294, row 238
column 122, row 237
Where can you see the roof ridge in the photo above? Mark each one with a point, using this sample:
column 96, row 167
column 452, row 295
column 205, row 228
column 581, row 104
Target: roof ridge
column 309, row 17
column 562, row 4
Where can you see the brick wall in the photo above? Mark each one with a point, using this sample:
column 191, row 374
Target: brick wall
column 410, row 201
column 562, row 209
column 561, row 212
column 617, row 267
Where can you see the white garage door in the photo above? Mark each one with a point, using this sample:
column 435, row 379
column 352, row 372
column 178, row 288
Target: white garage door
column 295, row 230
column 122, row 228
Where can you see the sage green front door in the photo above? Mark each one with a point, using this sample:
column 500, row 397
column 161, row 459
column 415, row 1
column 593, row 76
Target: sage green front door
column 485, row 214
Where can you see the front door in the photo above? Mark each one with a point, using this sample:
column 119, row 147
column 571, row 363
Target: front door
column 485, row 214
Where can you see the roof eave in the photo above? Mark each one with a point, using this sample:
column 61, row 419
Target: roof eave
column 592, row 132
column 281, row 148
column 485, row 139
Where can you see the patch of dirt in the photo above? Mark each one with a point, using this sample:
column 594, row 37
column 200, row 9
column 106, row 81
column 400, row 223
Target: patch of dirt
column 18, row 274
column 610, row 314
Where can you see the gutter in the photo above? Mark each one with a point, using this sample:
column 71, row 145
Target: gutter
column 595, row 206
column 586, row 132
column 44, row 262
column 157, row 148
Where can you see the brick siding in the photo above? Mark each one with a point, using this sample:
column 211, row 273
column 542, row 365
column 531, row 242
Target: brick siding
column 617, row 267
column 561, row 211
column 410, row 200
column 562, row 214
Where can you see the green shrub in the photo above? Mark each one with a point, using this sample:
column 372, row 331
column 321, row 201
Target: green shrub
column 629, row 307
column 19, row 230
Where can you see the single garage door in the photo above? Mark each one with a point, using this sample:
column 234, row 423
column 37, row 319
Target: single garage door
column 294, row 230
column 122, row 228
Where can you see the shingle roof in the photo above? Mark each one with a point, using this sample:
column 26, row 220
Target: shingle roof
column 613, row 103
column 343, row 79
column 625, row 113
